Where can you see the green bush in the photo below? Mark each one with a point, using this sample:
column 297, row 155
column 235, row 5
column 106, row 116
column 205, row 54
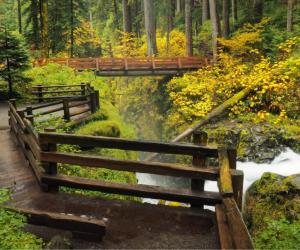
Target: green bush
column 100, row 128
column 12, row 234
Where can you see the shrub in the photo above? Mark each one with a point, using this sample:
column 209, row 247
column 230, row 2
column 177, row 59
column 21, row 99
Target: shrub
column 100, row 128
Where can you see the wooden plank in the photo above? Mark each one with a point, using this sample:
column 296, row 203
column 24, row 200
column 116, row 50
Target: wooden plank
column 51, row 111
column 72, row 105
column 134, row 145
column 223, row 228
column 180, row 195
column 238, row 230
column 16, row 116
column 168, row 169
column 57, row 97
column 79, row 112
column 57, row 91
column 225, row 176
column 57, row 86
column 93, row 227
column 45, row 105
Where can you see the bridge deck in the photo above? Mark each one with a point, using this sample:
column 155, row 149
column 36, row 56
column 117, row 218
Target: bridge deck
column 129, row 224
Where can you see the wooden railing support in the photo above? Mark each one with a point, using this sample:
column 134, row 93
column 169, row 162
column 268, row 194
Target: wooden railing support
column 29, row 114
column 93, row 102
column 40, row 93
column 199, row 138
column 97, row 96
column 66, row 108
column 50, row 168
column 82, row 88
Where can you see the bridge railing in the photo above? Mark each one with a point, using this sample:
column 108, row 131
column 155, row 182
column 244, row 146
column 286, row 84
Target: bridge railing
column 43, row 155
column 127, row 64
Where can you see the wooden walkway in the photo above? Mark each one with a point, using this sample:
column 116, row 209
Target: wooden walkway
column 129, row 224
column 149, row 66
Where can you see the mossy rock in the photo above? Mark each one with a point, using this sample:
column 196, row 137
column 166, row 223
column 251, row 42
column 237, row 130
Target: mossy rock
column 272, row 199
column 100, row 128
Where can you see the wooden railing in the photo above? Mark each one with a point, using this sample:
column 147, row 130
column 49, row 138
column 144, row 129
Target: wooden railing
column 87, row 100
column 128, row 64
column 42, row 154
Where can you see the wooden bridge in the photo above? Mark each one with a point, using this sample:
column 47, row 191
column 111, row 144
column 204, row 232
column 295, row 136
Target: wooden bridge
column 30, row 168
column 149, row 66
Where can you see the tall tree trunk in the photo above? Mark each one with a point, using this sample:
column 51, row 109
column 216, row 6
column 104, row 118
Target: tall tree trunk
column 71, row 28
column 205, row 10
column 150, row 27
column 234, row 11
column 171, row 9
column 35, row 23
column 44, row 28
column 290, row 6
column 126, row 16
column 188, row 28
column 257, row 10
column 226, row 22
column 178, row 6
column 20, row 16
column 215, row 28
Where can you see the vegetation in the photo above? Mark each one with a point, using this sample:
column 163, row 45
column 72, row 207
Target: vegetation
column 12, row 234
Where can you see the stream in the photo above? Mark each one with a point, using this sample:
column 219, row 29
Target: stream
column 286, row 163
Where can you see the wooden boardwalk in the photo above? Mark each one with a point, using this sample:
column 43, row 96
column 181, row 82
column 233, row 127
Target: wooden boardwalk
column 129, row 224
column 148, row 66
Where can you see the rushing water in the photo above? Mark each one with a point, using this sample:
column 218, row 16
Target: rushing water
column 287, row 163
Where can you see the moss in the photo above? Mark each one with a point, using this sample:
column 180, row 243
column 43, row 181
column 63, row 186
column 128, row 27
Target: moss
column 100, row 128
column 271, row 198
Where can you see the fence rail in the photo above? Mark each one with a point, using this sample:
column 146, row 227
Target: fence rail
column 42, row 153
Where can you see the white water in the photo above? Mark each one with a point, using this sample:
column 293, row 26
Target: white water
column 287, row 163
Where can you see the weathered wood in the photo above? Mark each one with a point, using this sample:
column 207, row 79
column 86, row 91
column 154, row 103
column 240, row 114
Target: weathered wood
column 57, row 91
column 93, row 227
column 237, row 185
column 57, row 97
column 40, row 93
column 50, row 111
column 81, row 111
column 45, row 105
column 134, row 145
column 225, row 176
column 57, row 86
column 168, row 169
column 66, row 109
column 180, row 195
column 29, row 114
column 238, row 230
column 223, row 228
column 17, row 116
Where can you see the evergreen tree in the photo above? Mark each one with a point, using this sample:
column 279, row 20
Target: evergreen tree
column 13, row 58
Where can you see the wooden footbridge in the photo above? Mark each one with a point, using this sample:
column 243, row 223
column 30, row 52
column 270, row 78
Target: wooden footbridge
column 149, row 66
column 30, row 166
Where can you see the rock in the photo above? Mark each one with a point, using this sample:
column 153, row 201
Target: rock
column 59, row 242
column 272, row 197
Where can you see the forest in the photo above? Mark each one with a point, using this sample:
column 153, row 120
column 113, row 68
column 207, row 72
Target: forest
column 244, row 93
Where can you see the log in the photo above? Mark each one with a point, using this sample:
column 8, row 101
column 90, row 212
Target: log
column 213, row 114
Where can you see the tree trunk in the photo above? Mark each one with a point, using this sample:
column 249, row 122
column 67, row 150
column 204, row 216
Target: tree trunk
column 126, row 16
column 290, row 6
column 188, row 28
column 150, row 27
column 234, row 11
column 257, row 10
column 215, row 28
column 171, row 9
column 71, row 28
column 35, row 23
column 226, row 22
column 205, row 10
column 44, row 28
column 19, row 16
column 178, row 6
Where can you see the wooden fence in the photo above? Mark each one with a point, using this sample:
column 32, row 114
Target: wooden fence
column 86, row 100
column 42, row 154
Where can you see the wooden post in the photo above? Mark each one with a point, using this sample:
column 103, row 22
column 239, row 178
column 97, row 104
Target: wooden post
column 199, row 138
column 13, row 102
column 49, row 167
column 29, row 114
column 40, row 93
column 82, row 88
column 97, row 96
column 66, row 110
column 93, row 101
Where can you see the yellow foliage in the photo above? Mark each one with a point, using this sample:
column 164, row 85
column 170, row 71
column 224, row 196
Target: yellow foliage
column 85, row 34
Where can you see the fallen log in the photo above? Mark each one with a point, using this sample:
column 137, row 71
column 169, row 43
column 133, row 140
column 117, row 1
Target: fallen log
column 206, row 119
